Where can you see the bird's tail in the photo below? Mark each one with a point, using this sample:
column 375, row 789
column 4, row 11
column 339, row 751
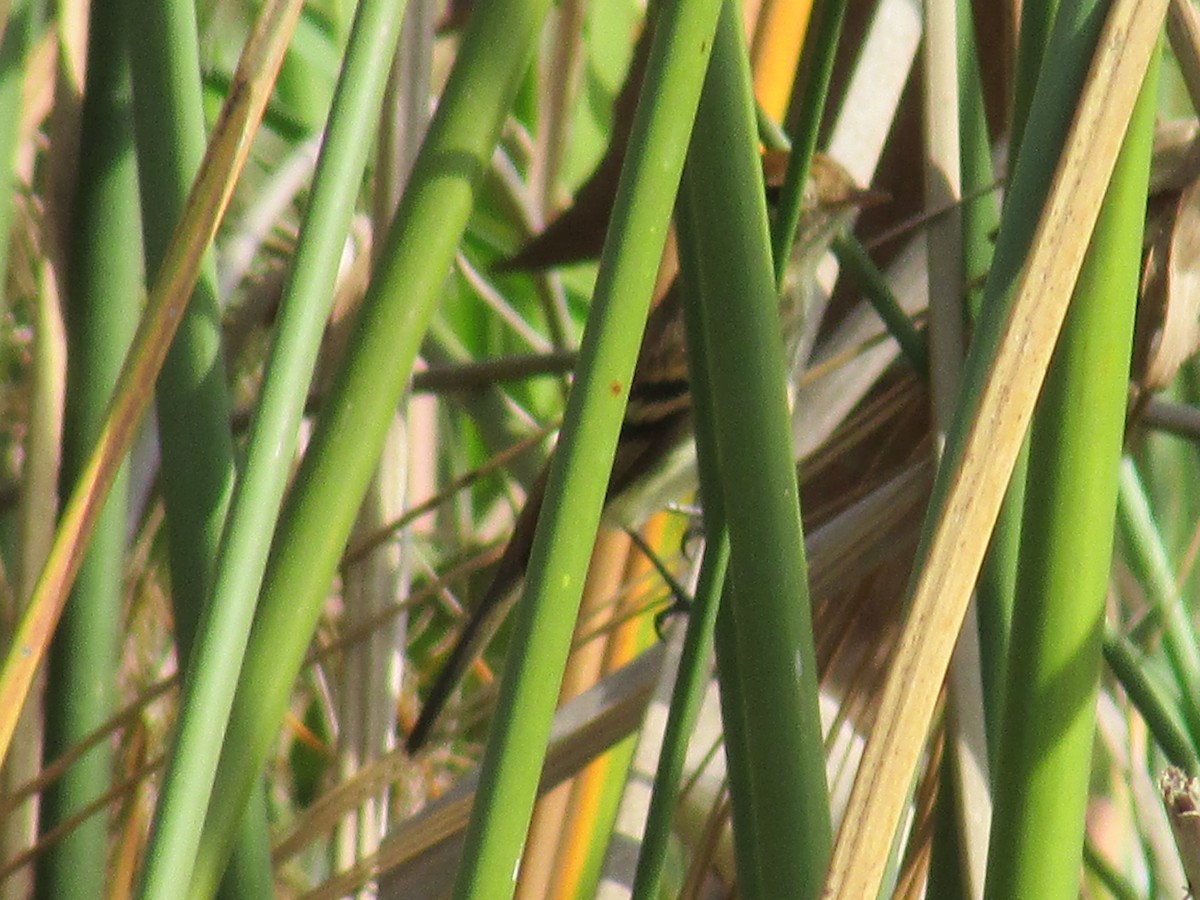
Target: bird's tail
column 487, row 616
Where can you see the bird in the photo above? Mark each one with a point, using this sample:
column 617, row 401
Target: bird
column 654, row 460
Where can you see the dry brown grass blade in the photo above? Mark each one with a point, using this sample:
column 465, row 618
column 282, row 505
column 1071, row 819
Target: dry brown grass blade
column 977, row 485
column 227, row 152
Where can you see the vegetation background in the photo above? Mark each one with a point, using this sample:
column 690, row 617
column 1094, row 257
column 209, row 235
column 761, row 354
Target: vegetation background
column 278, row 228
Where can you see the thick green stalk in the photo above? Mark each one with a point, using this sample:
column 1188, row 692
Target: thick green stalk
column 1046, row 742
column 775, row 663
column 1037, row 23
column 693, row 671
column 725, row 644
column 217, row 655
column 578, row 476
column 192, row 401
column 104, row 286
column 1029, row 180
column 997, row 577
column 998, row 574
column 341, row 458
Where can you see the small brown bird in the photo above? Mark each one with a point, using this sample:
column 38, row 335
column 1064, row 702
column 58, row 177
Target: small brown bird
column 654, row 461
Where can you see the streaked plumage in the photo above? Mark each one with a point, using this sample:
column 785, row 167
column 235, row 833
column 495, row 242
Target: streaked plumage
column 654, row 461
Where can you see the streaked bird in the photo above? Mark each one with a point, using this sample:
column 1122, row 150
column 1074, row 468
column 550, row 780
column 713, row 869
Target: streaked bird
column 655, row 459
